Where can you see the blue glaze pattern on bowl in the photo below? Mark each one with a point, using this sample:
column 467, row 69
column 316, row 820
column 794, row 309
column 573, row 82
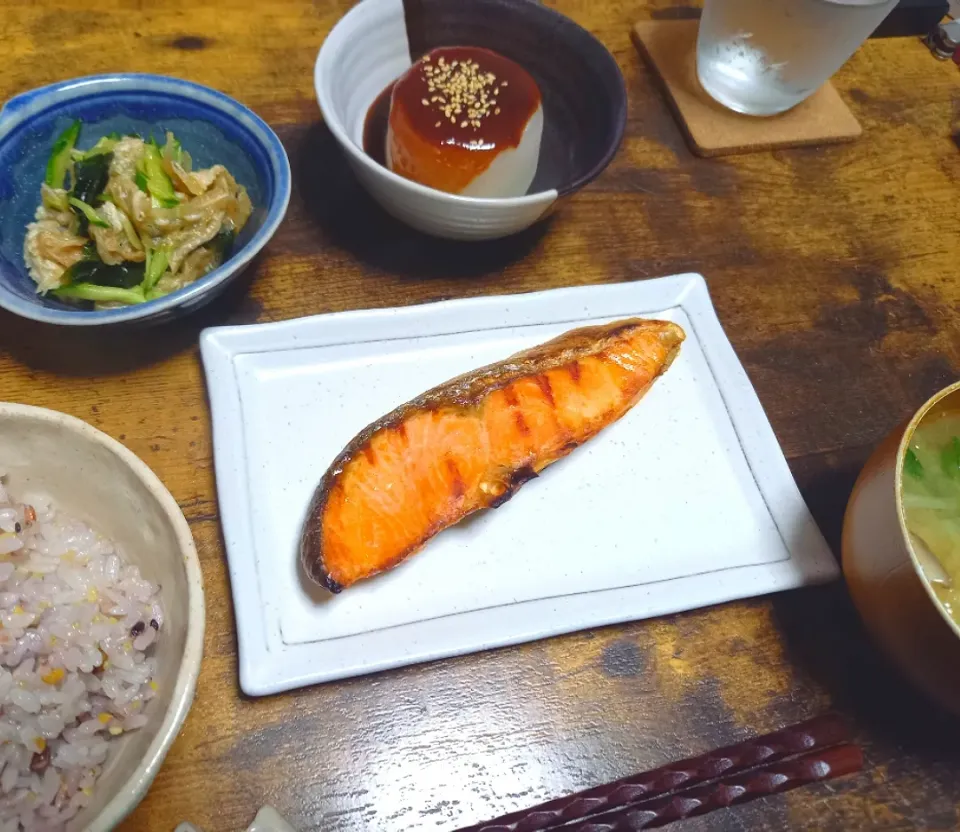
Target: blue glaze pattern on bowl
column 212, row 127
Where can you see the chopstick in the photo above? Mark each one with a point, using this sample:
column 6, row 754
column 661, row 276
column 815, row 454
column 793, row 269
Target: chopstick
column 763, row 761
column 760, row 782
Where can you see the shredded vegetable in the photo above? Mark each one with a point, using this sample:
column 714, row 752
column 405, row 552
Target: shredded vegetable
column 129, row 220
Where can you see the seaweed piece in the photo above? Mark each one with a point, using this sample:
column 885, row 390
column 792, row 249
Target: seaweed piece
column 222, row 245
column 90, row 177
column 96, row 272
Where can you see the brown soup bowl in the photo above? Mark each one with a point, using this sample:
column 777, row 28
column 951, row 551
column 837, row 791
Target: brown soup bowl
column 886, row 574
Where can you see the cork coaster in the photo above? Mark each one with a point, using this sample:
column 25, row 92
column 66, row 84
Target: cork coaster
column 712, row 129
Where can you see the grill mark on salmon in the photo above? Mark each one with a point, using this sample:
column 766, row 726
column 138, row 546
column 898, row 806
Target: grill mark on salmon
column 522, row 425
column 472, row 442
column 544, row 384
column 457, row 486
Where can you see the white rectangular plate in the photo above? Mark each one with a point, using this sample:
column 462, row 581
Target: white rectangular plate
column 686, row 501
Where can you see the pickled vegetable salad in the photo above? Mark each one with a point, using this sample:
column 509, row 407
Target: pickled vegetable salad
column 129, row 220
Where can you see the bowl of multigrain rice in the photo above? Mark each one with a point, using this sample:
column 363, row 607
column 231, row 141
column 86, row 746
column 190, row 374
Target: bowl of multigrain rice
column 102, row 614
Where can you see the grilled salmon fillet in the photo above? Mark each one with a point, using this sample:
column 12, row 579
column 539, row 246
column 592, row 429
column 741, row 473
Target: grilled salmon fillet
column 472, row 442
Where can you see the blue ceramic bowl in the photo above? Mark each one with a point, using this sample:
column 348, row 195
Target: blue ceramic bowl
column 211, row 127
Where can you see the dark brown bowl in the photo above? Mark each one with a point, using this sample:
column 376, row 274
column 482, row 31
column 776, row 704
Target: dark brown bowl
column 583, row 92
column 886, row 574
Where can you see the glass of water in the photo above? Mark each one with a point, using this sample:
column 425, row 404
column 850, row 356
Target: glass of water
column 762, row 57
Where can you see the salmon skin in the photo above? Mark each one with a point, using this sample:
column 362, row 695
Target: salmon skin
column 472, row 442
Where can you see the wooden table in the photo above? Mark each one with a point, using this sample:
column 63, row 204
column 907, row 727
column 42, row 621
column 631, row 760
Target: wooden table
column 834, row 272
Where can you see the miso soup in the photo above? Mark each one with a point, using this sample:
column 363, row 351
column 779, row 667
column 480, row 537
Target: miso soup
column 931, row 502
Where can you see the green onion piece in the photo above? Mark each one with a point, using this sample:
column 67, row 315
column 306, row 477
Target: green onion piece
column 59, row 162
column 105, row 144
column 158, row 184
column 101, row 294
column 140, row 180
column 157, row 261
column 88, row 211
column 155, row 293
column 172, row 150
column 56, row 200
column 912, row 465
column 132, row 237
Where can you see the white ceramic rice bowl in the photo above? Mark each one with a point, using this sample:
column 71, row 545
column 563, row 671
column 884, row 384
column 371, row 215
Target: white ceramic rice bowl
column 99, row 481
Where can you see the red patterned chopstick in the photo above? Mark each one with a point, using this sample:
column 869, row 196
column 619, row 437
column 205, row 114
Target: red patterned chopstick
column 766, row 780
column 723, row 764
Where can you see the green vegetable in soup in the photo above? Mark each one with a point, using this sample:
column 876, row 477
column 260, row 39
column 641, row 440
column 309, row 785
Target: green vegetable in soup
column 60, row 158
column 950, row 459
column 931, row 501
column 912, row 465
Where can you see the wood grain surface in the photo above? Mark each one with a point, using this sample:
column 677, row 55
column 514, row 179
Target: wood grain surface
column 834, row 272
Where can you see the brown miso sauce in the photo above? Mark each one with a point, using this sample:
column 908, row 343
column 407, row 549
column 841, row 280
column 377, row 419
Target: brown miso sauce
column 517, row 98
column 375, row 126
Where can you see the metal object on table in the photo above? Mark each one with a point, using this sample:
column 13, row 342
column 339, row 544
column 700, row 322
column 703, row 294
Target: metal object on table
column 912, row 18
column 944, row 40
